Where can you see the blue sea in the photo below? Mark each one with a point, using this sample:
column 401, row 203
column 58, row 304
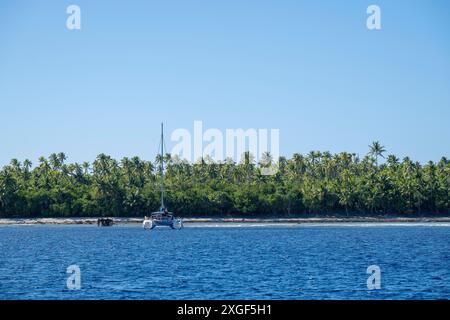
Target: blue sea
column 226, row 261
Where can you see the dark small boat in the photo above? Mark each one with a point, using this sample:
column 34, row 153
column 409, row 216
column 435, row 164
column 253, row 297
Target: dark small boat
column 105, row 222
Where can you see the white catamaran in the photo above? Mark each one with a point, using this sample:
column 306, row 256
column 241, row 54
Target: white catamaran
column 162, row 217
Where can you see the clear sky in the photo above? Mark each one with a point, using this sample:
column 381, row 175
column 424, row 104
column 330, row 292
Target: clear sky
column 310, row 68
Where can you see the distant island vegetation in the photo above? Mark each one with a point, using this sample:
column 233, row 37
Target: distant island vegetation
column 319, row 183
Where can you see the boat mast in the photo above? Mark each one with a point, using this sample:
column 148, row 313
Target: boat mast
column 162, row 166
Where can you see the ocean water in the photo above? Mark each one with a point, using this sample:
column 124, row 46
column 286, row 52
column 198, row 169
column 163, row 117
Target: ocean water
column 226, row 261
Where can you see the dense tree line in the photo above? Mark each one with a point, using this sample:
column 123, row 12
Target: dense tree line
column 317, row 183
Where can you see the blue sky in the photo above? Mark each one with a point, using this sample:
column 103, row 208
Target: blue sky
column 310, row 68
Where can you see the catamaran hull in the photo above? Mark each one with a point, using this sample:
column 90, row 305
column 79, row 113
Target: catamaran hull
column 173, row 224
column 148, row 224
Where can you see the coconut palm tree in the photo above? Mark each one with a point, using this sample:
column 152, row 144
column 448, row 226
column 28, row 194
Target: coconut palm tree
column 392, row 159
column 376, row 150
column 27, row 165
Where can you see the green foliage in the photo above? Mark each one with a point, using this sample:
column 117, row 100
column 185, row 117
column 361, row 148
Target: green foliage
column 317, row 183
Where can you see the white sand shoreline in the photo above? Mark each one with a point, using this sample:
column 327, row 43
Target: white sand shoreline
column 119, row 220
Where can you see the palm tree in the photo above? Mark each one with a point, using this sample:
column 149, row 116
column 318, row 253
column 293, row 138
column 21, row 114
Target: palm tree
column 314, row 156
column 61, row 158
column 376, row 150
column 247, row 158
column 54, row 161
column 27, row 165
column 392, row 160
column 266, row 159
column 16, row 165
column 86, row 165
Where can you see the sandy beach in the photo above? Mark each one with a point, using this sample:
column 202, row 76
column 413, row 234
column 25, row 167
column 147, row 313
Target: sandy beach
column 119, row 220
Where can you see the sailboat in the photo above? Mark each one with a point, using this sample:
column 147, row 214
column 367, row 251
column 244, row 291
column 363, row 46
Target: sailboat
column 162, row 217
